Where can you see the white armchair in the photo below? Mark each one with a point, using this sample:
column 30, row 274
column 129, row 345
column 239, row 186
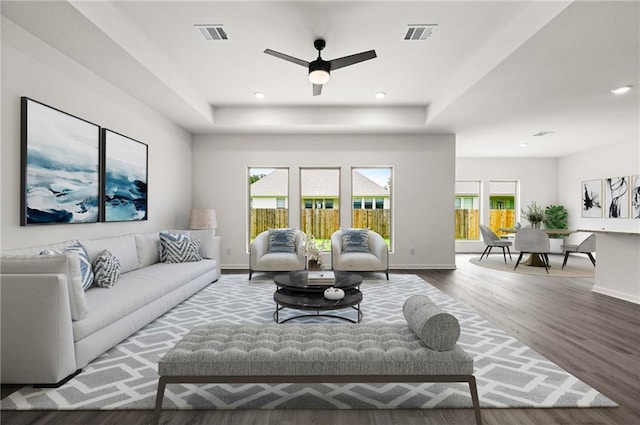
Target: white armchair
column 264, row 260
column 376, row 258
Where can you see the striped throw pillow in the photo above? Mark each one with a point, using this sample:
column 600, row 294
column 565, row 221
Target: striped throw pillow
column 179, row 248
column 106, row 269
column 86, row 273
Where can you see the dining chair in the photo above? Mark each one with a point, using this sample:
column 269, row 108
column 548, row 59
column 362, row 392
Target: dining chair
column 534, row 242
column 491, row 240
column 587, row 246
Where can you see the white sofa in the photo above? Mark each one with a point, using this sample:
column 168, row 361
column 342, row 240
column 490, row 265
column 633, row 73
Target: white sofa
column 52, row 328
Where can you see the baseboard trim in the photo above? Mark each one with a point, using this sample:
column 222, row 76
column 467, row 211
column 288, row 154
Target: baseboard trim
column 616, row 294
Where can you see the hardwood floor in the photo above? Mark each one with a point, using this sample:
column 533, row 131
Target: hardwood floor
column 592, row 336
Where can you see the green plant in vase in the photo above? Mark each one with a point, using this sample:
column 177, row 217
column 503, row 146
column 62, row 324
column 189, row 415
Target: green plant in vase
column 556, row 217
column 534, row 214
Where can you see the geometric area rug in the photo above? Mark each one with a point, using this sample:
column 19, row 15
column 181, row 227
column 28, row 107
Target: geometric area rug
column 509, row 374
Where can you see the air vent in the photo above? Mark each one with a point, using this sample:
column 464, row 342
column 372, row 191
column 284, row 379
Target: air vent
column 419, row 32
column 543, row 133
column 212, row 32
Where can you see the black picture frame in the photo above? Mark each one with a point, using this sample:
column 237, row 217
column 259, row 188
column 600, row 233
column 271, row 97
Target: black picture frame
column 125, row 176
column 59, row 166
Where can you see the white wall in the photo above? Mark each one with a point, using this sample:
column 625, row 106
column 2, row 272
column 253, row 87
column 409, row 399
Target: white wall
column 611, row 161
column 423, row 188
column 32, row 68
column 537, row 179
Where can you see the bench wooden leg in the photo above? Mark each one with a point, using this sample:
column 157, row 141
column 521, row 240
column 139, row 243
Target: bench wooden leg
column 474, row 398
column 159, row 397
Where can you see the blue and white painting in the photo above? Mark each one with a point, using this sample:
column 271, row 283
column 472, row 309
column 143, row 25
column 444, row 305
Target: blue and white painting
column 61, row 167
column 125, row 194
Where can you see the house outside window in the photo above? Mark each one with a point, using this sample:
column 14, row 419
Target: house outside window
column 467, row 210
column 502, row 200
column 319, row 203
column 371, row 200
column 268, row 199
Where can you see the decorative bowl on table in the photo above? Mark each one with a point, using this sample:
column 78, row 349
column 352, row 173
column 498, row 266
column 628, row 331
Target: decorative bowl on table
column 333, row 293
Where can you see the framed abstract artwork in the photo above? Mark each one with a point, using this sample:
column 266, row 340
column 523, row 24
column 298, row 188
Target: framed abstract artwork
column 616, row 197
column 635, row 196
column 125, row 169
column 592, row 199
column 60, row 156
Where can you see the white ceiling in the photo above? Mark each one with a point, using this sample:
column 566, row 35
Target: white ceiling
column 493, row 73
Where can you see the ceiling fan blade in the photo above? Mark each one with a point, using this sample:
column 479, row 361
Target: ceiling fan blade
column 287, row 57
column 317, row 89
column 352, row 59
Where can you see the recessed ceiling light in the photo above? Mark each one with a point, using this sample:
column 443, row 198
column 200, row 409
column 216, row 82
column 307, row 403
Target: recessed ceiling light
column 621, row 90
column 524, row 144
column 259, row 95
column 380, row 95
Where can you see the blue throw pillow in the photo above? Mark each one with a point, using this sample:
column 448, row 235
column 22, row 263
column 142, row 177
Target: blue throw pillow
column 282, row 240
column 355, row 240
column 179, row 248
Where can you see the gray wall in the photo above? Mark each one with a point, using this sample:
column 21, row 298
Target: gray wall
column 423, row 167
column 32, row 68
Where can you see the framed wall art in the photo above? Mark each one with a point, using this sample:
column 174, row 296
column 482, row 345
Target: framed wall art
column 60, row 156
column 125, row 168
column 616, row 197
column 635, row 196
column 592, row 199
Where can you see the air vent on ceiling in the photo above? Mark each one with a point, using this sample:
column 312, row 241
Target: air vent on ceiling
column 543, row 133
column 212, row 32
column 419, row 32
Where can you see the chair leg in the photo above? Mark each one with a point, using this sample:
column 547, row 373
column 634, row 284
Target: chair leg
column 504, row 254
column 484, row 252
column 593, row 260
column 250, row 273
column 566, row 257
column 545, row 260
column 519, row 258
column 509, row 251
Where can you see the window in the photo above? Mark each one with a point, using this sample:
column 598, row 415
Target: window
column 502, row 200
column 371, row 192
column 268, row 199
column 319, row 203
column 467, row 211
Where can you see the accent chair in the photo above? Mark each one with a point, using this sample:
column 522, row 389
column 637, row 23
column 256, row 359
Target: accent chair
column 359, row 250
column 277, row 250
column 535, row 242
column 491, row 240
column 587, row 246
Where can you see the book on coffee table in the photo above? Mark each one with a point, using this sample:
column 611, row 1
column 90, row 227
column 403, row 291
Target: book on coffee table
column 321, row 277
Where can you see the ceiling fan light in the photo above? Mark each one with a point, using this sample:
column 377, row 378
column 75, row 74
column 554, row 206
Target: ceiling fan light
column 319, row 76
column 621, row 90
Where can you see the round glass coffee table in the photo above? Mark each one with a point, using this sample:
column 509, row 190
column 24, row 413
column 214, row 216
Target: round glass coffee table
column 293, row 290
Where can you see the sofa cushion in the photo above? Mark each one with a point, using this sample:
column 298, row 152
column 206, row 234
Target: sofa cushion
column 437, row 329
column 282, row 240
column 67, row 264
column 123, row 247
column 106, row 269
column 355, row 240
column 148, row 248
column 134, row 290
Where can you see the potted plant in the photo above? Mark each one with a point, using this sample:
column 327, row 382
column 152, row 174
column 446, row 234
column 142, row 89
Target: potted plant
column 556, row 217
column 534, row 214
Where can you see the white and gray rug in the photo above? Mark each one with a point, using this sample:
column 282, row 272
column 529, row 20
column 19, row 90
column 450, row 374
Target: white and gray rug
column 509, row 374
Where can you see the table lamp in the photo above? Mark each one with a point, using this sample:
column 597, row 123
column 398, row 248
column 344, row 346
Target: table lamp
column 202, row 218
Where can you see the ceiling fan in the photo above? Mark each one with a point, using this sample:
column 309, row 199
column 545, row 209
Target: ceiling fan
column 320, row 69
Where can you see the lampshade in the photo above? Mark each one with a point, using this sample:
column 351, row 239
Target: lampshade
column 202, row 219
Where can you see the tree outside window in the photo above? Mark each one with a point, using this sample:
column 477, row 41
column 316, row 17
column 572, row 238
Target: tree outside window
column 268, row 199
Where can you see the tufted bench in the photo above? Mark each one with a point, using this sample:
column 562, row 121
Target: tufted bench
column 423, row 350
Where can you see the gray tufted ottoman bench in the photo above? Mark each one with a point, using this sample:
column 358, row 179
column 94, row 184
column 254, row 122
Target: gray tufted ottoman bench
column 423, row 350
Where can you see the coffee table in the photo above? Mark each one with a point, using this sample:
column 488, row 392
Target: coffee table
column 293, row 290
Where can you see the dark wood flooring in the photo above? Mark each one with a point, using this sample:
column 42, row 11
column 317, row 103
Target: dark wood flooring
column 594, row 337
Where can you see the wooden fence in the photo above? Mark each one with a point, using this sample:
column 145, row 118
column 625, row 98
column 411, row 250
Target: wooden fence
column 265, row 218
column 320, row 223
column 467, row 224
column 501, row 218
